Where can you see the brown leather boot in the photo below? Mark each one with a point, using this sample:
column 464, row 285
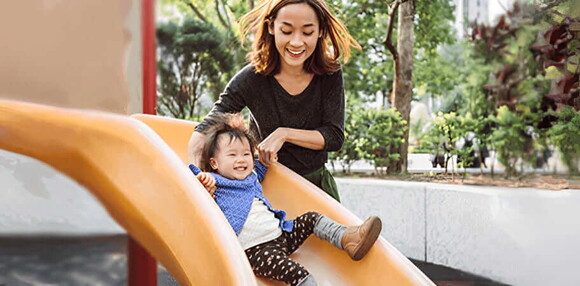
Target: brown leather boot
column 357, row 240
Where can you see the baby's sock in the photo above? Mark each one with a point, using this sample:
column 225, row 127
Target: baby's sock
column 308, row 281
column 329, row 230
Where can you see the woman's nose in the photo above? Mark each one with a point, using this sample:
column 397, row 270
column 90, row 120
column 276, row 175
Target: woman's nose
column 296, row 40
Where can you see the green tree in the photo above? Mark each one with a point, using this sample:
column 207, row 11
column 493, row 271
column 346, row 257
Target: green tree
column 385, row 67
column 222, row 15
column 192, row 61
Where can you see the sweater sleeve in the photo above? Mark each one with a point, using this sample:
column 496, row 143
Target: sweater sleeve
column 332, row 128
column 231, row 100
column 260, row 170
column 194, row 169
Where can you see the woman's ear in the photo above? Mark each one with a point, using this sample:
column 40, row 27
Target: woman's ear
column 270, row 25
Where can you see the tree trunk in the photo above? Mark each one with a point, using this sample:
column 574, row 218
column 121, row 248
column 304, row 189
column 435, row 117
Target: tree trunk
column 403, row 84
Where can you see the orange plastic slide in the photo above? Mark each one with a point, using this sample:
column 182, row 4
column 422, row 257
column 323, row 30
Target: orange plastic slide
column 147, row 189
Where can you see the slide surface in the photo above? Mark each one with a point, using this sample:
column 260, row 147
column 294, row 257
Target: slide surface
column 145, row 186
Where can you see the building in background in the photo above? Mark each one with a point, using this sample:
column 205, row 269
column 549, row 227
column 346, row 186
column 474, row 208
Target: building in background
column 480, row 11
column 469, row 11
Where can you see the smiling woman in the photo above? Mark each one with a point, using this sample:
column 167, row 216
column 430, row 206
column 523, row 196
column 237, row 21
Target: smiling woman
column 293, row 87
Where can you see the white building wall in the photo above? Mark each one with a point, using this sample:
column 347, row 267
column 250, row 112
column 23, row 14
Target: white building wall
column 468, row 11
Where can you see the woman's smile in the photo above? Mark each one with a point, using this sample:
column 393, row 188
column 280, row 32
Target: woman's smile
column 295, row 53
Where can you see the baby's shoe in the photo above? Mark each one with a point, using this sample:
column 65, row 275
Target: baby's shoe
column 358, row 240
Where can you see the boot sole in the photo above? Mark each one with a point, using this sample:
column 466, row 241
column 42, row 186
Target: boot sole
column 372, row 235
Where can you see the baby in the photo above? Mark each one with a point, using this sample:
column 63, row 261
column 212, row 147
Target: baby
column 233, row 179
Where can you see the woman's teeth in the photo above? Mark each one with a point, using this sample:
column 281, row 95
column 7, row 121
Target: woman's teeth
column 296, row 53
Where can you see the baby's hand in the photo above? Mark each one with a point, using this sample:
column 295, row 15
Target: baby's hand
column 208, row 181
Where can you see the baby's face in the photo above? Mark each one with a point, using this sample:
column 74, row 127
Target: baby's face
column 233, row 159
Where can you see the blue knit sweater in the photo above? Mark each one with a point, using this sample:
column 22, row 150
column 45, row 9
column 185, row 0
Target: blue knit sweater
column 235, row 197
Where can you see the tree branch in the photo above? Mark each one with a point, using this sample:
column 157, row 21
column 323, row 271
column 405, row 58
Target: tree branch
column 196, row 11
column 219, row 13
column 226, row 5
column 388, row 42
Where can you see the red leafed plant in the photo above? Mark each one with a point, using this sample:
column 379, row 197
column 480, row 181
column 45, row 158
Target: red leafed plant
column 558, row 51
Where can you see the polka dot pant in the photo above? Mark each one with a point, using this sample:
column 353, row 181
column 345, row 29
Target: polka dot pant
column 271, row 259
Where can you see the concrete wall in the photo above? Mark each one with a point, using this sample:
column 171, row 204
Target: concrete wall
column 69, row 53
column 516, row 236
column 66, row 53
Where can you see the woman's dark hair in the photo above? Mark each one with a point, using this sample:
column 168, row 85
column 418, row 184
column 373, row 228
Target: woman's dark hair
column 229, row 124
column 334, row 41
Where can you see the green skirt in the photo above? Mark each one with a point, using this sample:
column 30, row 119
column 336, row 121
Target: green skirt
column 324, row 180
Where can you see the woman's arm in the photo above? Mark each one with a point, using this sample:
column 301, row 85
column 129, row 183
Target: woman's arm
column 269, row 147
column 333, row 109
column 195, row 148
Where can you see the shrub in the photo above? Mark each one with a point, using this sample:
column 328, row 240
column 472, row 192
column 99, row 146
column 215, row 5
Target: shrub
column 380, row 134
column 372, row 135
column 512, row 139
column 448, row 130
column 565, row 135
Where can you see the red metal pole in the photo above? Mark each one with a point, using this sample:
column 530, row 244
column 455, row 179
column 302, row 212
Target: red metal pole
column 142, row 267
column 149, row 61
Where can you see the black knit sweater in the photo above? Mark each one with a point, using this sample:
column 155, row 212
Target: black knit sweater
column 319, row 107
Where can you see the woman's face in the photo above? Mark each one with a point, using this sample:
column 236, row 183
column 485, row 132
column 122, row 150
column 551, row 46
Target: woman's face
column 296, row 31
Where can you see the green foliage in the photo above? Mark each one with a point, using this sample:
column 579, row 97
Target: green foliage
column 444, row 134
column 222, row 15
column 372, row 135
column 380, row 136
column 453, row 134
column 371, row 70
column 433, row 26
column 446, row 130
column 437, row 75
column 349, row 153
column 192, row 61
column 565, row 135
column 512, row 139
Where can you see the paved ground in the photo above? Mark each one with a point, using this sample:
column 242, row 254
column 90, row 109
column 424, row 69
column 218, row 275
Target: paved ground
column 98, row 261
column 445, row 276
column 90, row 261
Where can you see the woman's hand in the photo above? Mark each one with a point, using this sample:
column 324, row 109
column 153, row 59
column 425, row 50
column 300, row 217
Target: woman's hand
column 195, row 148
column 208, row 181
column 270, row 146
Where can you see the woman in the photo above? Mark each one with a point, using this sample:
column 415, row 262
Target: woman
column 293, row 87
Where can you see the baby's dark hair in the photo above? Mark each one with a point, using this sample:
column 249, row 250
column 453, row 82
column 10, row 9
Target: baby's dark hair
column 231, row 124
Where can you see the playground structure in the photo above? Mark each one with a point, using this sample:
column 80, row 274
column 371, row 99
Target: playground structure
column 136, row 166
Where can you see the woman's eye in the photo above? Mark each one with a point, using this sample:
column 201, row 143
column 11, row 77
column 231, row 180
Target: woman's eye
column 286, row 33
column 308, row 34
